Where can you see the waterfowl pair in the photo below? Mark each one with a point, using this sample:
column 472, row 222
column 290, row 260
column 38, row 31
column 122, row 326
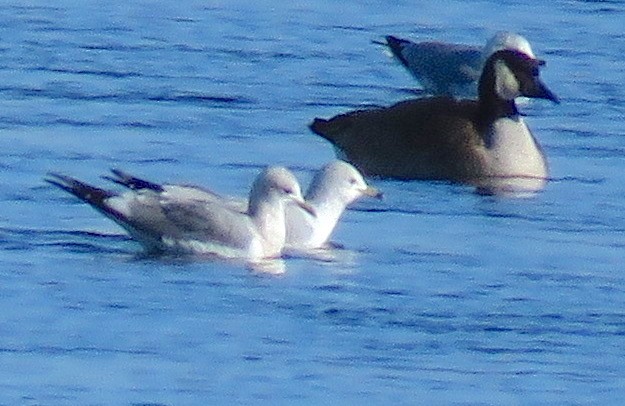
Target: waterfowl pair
column 484, row 142
column 190, row 219
column 448, row 69
column 334, row 187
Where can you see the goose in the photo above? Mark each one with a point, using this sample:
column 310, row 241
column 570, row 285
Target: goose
column 484, row 142
column 451, row 69
column 180, row 223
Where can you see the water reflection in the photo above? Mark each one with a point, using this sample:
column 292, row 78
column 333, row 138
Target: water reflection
column 510, row 186
column 333, row 254
column 442, row 295
column 275, row 266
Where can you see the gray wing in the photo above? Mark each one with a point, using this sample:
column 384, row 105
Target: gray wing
column 179, row 192
column 202, row 195
column 441, row 66
column 168, row 190
column 210, row 222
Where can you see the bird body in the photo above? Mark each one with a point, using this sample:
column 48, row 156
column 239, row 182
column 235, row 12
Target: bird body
column 481, row 142
column 335, row 186
column 178, row 221
column 451, row 69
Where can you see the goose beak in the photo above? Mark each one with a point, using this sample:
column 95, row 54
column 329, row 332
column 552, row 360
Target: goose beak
column 373, row 192
column 540, row 91
column 549, row 95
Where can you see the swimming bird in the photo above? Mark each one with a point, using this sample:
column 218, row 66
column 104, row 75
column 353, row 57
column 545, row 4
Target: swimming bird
column 179, row 222
column 451, row 69
column 483, row 142
column 335, row 186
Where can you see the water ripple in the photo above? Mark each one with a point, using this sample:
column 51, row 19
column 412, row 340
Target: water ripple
column 440, row 296
column 60, row 93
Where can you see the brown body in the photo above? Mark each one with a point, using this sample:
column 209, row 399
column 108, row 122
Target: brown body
column 433, row 138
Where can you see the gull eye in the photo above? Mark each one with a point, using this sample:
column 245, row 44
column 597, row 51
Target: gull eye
column 288, row 191
column 352, row 181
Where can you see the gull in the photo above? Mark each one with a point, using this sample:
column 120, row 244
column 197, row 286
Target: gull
column 178, row 222
column 451, row 69
column 334, row 187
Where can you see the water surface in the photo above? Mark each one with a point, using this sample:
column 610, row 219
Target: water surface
column 440, row 295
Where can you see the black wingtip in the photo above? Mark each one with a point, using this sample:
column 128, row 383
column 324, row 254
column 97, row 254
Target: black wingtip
column 392, row 40
column 94, row 196
column 397, row 45
column 87, row 193
column 57, row 182
column 132, row 182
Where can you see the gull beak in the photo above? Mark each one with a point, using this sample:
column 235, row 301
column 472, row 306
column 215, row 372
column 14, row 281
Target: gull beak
column 373, row 192
column 306, row 207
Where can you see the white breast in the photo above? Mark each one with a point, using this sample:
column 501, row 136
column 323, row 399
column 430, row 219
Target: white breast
column 513, row 151
column 515, row 160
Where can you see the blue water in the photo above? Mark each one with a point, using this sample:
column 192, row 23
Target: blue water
column 440, row 295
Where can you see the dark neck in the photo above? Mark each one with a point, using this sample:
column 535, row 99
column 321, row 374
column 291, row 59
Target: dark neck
column 494, row 108
column 491, row 106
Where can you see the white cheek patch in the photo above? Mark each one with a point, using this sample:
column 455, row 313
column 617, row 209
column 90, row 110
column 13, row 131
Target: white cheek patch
column 506, row 84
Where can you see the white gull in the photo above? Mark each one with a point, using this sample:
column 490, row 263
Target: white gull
column 176, row 221
column 332, row 189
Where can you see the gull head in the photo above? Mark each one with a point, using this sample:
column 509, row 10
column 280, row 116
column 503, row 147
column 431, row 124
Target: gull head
column 277, row 183
column 507, row 40
column 340, row 180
